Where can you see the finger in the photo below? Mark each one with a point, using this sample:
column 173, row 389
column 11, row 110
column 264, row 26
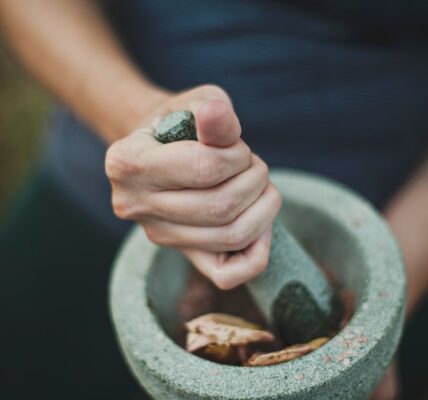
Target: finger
column 191, row 164
column 216, row 121
column 226, row 271
column 214, row 206
column 179, row 165
column 191, row 100
column 217, row 124
column 231, row 237
column 124, row 158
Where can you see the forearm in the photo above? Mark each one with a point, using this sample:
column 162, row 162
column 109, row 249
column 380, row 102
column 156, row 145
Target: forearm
column 408, row 218
column 69, row 47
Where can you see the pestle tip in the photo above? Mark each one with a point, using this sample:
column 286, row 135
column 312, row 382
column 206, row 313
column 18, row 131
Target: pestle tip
column 298, row 318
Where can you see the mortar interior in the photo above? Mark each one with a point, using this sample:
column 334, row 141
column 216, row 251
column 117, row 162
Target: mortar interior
column 324, row 238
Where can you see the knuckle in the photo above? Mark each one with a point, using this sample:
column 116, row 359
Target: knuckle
column 264, row 171
column 112, row 161
column 224, row 209
column 235, row 238
column 277, row 198
column 246, row 151
column 208, row 168
column 153, row 234
column 221, row 280
column 243, row 155
column 118, row 164
column 123, row 208
column 119, row 203
column 261, row 263
column 150, row 233
column 120, row 208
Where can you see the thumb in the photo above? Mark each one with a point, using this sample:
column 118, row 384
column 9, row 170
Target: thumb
column 216, row 121
column 217, row 124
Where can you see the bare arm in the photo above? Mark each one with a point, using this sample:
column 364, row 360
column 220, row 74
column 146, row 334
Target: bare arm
column 223, row 202
column 69, row 46
column 407, row 214
column 408, row 218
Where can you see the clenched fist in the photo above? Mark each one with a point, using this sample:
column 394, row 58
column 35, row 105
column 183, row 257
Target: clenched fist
column 211, row 199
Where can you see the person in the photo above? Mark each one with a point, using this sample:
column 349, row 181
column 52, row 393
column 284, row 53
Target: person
column 339, row 90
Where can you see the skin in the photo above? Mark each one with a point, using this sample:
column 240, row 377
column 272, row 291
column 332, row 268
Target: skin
column 205, row 198
column 407, row 214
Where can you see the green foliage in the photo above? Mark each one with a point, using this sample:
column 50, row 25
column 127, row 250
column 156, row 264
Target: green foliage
column 23, row 108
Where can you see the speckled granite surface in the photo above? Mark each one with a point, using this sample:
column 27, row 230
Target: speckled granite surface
column 337, row 228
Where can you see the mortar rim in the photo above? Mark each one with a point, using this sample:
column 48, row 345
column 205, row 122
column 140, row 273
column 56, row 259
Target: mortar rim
column 331, row 198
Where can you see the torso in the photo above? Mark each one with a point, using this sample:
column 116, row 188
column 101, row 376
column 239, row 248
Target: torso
column 311, row 93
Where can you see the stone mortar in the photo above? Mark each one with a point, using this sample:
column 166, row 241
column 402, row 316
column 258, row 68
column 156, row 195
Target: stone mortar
column 338, row 229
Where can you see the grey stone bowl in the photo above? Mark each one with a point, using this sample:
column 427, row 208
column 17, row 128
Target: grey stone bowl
column 337, row 228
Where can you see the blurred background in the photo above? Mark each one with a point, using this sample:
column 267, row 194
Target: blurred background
column 23, row 110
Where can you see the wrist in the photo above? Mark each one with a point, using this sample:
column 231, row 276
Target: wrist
column 133, row 104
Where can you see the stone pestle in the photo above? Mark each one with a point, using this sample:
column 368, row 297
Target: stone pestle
column 292, row 293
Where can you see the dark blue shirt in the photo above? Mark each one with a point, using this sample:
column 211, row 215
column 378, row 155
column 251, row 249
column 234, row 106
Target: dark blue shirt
column 313, row 92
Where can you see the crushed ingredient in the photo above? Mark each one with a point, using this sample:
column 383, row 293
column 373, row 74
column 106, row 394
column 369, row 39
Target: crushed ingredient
column 224, row 329
column 287, row 354
column 215, row 334
column 232, row 340
column 224, row 338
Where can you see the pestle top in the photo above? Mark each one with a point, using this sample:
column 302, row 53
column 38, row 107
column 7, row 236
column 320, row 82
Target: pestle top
column 179, row 125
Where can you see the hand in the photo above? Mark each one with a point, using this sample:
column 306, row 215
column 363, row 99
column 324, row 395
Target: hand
column 388, row 389
column 206, row 198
